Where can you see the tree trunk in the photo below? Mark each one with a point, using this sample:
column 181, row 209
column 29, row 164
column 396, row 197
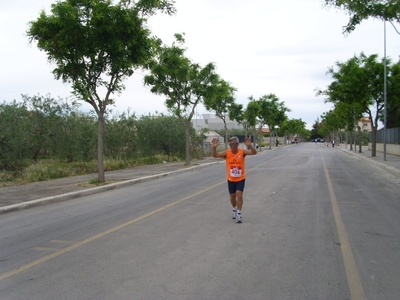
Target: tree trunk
column 187, row 137
column 351, row 140
column 359, row 136
column 226, row 135
column 270, row 138
column 373, row 141
column 100, row 148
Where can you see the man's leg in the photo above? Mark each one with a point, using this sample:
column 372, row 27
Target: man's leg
column 233, row 199
column 239, row 194
column 239, row 200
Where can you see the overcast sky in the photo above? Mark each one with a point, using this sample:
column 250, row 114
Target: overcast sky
column 259, row 46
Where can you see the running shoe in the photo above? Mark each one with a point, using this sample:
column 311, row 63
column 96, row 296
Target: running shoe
column 234, row 213
column 238, row 218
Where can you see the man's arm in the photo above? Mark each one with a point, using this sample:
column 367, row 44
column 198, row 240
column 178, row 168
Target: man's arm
column 215, row 144
column 251, row 150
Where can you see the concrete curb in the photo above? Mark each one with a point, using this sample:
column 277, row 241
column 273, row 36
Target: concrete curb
column 91, row 191
column 375, row 163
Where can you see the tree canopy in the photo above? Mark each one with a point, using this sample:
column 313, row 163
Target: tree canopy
column 360, row 80
column 184, row 83
column 222, row 101
column 95, row 46
column 359, row 10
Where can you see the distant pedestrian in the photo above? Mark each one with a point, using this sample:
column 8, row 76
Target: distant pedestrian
column 333, row 143
column 277, row 142
column 235, row 169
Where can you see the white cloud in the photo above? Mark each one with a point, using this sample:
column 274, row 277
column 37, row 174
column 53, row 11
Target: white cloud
column 261, row 47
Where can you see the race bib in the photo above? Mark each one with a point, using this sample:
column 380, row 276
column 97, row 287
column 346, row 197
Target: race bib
column 236, row 172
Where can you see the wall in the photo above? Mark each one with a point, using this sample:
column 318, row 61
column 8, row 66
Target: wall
column 390, row 148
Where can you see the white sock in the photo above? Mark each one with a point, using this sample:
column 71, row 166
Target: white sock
column 234, row 209
column 238, row 211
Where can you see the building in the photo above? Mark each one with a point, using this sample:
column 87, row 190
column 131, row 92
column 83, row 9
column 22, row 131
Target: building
column 365, row 124
column 212, row 122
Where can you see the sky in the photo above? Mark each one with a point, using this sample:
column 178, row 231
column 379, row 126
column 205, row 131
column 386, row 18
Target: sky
column 259, row 46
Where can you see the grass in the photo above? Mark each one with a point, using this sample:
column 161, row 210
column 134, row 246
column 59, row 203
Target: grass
column 48, row 169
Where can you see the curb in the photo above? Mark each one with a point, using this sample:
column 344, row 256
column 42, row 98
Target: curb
column 375, row 163
column 91, row 191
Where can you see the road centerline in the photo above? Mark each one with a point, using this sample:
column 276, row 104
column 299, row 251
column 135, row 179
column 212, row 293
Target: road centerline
column 111, row 230
column 353, row 277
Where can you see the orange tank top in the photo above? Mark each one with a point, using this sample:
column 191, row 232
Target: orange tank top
column 235, row 165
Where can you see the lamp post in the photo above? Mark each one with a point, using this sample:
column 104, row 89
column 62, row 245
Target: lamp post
column 384, row 91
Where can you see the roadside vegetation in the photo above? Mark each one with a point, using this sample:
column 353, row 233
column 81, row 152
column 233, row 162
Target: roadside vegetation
column 43, row 138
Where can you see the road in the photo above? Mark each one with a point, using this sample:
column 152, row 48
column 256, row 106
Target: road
column 317, row 224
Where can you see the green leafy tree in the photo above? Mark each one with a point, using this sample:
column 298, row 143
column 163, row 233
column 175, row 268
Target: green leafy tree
column 222, row 102
column 45, row 119
column 314, row 132
column 349, row 114
column 393, row 96
column 359, row 80
column 67, row 126
column 272, row 113
column 293, row 127
column 184, row 83
column 15, row 126
column 250, row 115
column 331, row 124
column 120, row 136
column 96, row 46
column 161, row 135
column 359, row 10
column 267, row 110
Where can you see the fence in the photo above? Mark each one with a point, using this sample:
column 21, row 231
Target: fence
column 392, row 135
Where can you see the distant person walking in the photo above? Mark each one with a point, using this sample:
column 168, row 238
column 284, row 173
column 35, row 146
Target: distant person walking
column 333, row 143
column 235, row 171
column 277, row 142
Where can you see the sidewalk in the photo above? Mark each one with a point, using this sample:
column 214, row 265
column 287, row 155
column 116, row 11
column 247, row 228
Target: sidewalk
column 39, row 193
column 44, row 192
column 391, row 164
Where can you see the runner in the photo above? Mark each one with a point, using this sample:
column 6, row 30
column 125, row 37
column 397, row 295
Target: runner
column 235, row 169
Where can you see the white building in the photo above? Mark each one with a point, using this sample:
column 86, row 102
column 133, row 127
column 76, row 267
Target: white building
column 212, row 122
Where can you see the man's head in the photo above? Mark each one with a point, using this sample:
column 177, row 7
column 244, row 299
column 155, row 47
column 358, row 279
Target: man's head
column 234, row 142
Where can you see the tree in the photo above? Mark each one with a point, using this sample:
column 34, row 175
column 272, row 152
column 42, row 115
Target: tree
column 314, row 132
column 222, row 101
column 45, row 119
column 359, row 10
column 267, row 110
column 250, row 115
column 15, row 126
column 331, row 124
column 272, row 112
column 359, row 80
column 184, row 83
column 293, row 127
column 96, row 45
column 393, row 96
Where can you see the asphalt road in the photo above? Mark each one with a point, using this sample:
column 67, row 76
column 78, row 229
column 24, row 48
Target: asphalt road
column 317, row 224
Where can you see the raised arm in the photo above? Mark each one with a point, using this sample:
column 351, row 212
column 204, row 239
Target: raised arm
column 250, row 151
column 215, row 144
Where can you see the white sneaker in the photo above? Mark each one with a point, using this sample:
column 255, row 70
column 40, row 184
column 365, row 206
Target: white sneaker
column 239, row 218
column 234, row 213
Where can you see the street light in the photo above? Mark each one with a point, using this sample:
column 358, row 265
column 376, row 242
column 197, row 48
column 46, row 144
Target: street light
column 385, row 86
column 384, row 91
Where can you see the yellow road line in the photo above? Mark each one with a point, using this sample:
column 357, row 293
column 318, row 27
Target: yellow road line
column 44, row 249
column 60, row 242
column 353, row 277
column 97, row 236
